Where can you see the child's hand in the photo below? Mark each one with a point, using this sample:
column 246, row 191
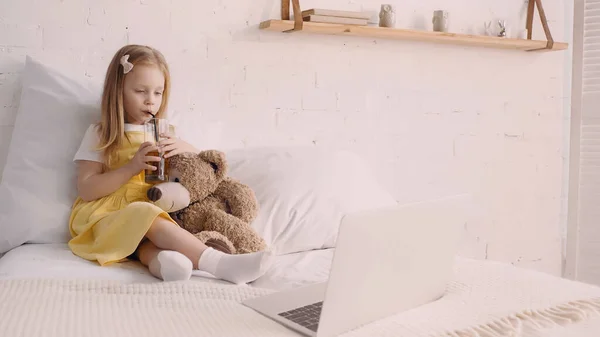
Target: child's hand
column 141, row 160
column 173, row 146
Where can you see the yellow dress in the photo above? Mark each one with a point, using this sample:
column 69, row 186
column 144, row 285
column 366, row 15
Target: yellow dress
column 109, row 229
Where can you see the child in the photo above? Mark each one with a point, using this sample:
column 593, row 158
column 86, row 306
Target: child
column 111, row 219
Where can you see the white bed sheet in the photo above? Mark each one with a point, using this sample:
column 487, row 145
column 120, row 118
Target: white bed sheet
column 58, row 262
column 55, row 261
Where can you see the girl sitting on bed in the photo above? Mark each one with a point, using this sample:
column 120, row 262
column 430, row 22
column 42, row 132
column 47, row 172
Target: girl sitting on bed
column 111, row 219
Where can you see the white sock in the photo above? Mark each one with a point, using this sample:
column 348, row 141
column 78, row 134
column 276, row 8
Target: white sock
column 170, row 265
column 241, row 268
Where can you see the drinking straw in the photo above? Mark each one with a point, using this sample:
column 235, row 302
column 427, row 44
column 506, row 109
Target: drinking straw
column 155, row 130
column 156, row 138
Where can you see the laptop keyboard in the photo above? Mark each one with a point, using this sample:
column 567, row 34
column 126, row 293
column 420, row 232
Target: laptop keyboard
column 307, row 316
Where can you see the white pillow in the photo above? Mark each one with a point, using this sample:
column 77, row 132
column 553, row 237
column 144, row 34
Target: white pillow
column 38, row 183
column 303, row 193
column 37, row 188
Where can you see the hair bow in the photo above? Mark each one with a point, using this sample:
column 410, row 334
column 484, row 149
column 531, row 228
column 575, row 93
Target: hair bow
column 127, row 66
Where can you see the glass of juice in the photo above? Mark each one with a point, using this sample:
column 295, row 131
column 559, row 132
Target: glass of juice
column 155, row 130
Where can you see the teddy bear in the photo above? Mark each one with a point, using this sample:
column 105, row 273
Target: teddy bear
column 203, row 200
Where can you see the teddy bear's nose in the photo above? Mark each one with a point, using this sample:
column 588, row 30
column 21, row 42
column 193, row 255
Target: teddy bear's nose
column 154, row 194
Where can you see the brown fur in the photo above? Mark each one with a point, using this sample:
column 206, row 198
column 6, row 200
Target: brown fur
column 221, row 208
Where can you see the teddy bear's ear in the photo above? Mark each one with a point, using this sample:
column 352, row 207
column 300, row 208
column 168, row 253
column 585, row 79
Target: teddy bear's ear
column 216, row 160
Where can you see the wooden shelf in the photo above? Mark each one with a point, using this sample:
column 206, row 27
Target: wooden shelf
column 412, row 35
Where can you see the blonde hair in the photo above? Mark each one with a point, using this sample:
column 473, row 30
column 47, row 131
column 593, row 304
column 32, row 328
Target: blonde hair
column 112, row 122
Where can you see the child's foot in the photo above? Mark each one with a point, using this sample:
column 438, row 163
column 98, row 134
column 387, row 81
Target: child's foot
column 241, row 268
column 169, row 265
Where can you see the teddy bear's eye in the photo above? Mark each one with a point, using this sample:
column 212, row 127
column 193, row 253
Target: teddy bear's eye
column 176, row 180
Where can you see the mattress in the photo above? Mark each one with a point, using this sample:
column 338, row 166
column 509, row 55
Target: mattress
column 56, row 261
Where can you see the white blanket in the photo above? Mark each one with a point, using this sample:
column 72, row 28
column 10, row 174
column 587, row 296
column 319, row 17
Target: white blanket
column 484, row 299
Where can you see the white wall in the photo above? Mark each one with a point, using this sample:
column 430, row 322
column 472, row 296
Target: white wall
column 433, row 119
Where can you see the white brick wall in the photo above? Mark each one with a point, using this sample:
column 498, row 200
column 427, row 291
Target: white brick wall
column 432, row 119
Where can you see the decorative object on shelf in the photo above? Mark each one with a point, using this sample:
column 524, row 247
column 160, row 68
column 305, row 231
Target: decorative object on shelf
column 440, row 21
column 488, row 28
column 502, row 25
column 387, row 16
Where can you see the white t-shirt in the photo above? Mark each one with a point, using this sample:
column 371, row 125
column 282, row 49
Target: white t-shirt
column 91, row 139
column 87, row 149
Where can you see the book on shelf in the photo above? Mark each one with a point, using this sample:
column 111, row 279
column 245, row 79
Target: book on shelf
column 336, row 19
column 336, row 13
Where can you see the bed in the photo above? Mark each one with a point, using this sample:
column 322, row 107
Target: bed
column 44, row 289
column 47, row 291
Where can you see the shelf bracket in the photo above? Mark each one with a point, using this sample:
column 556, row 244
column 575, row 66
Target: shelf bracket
column 530, row 13
column 285, row 14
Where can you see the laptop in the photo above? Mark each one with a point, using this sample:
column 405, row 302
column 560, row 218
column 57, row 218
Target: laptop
column 386, row 261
